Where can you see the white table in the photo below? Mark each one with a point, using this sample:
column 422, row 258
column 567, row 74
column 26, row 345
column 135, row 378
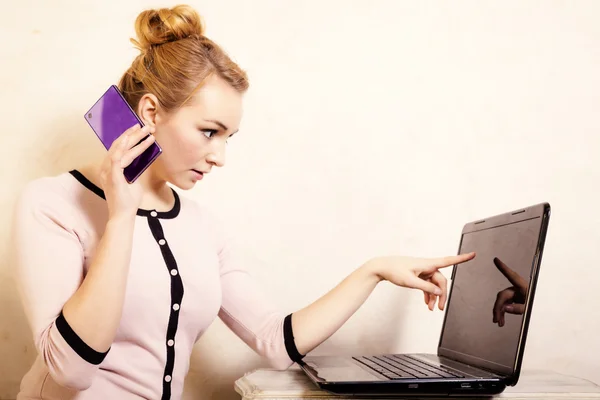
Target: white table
column 293, row 384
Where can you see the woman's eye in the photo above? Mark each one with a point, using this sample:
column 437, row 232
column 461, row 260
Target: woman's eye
column 209, row 133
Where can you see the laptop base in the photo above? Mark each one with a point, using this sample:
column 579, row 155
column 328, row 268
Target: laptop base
column 348, row 376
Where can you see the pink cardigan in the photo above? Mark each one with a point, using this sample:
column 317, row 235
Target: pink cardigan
column 183, row 274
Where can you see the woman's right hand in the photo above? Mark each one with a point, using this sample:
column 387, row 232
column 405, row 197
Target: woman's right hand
column 419, row 273
column 123, row 198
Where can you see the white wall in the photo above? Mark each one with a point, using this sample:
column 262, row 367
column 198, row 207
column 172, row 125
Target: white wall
column 372, row 127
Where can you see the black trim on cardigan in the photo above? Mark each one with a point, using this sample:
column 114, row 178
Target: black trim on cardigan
column 176, row 298
column 172, row 213
column 77, row 344
column 290, row 344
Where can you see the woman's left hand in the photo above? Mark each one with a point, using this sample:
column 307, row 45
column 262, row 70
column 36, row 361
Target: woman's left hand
column 419, row 273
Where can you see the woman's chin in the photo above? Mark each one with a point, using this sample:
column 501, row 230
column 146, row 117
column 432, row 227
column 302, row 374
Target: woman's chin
column 185, row 185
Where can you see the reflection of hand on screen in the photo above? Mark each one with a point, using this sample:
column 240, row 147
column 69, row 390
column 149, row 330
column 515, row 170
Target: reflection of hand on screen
column 512, row 299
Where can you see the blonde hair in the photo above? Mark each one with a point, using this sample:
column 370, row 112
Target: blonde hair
column 175, row 59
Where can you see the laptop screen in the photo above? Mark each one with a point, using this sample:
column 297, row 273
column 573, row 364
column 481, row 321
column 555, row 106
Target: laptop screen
column 484, row 317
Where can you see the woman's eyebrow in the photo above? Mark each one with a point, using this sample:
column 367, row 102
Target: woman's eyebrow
column 214, row 121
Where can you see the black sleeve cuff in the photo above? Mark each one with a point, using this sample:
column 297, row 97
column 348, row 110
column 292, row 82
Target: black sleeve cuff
column 288, row 336
column 81, row 348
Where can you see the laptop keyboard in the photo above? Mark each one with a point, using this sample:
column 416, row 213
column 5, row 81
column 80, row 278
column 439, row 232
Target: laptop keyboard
column 402, row 366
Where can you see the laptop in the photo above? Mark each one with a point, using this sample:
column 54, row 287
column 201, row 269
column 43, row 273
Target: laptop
column 485, row 325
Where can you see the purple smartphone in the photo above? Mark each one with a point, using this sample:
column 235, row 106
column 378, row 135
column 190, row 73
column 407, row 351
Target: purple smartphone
column 109, row 117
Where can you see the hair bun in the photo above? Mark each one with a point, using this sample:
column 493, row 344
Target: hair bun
column 160, row 26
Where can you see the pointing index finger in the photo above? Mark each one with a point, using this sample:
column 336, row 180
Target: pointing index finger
column 452, row 260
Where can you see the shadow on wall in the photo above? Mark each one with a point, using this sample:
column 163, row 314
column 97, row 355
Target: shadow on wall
column 385, row 330
column 376, row 328
column 17, row 351
column 67, row 143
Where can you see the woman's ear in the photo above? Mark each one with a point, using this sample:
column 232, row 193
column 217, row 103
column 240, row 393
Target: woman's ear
column 148, row 109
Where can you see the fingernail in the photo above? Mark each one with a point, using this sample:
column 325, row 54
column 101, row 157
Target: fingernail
column 509, row 308
column 438, row 291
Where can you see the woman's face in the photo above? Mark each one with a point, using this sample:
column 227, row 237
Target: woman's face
column 194, row 137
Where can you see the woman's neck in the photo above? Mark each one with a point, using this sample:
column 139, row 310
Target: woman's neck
column 157, row 195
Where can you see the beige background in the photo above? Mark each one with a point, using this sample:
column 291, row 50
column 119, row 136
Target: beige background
column 372, row 127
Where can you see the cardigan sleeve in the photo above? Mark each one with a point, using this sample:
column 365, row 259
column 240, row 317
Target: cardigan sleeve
column 248, row 312
column 49, row 267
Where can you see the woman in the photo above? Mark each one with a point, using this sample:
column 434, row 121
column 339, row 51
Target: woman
column 119, row 280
